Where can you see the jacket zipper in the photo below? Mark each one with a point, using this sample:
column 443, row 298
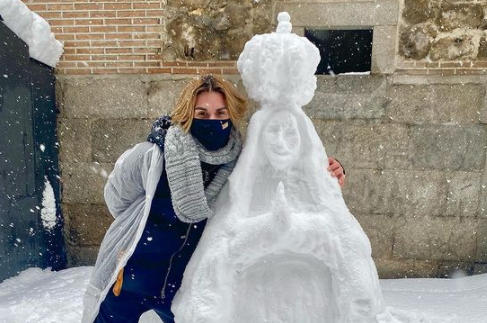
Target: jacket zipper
column 163, row 291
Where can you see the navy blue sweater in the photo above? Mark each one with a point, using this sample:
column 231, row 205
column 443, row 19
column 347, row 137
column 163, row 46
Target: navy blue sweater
column 157, row 265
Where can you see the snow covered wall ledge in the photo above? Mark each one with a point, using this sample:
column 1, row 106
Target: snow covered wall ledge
column 33, row 30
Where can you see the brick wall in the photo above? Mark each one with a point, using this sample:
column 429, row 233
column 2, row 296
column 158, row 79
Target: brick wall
column 442, row 68
column 115, row 37
column 128, row 37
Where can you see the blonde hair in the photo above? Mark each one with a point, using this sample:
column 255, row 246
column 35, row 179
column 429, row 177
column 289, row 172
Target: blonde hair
column 183, row 112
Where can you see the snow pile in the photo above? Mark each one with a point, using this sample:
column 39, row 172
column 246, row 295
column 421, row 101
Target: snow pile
column 48, row 212
column 37, row 296
column 33, row 30
column 282, row 246
column 43, row 296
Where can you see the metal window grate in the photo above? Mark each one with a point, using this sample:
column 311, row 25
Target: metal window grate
column 342, row 51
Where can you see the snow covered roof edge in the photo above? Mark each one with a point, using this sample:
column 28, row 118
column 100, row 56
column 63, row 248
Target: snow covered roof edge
column 33, row 30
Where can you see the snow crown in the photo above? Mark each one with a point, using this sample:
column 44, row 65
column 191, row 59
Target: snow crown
column 278, row 68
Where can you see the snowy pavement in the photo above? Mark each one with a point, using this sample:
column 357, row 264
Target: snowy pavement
column 37, row 296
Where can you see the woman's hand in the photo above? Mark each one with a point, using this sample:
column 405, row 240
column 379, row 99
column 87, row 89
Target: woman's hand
column 336, row 170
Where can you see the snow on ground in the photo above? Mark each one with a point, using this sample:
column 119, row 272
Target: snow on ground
column 44, row 296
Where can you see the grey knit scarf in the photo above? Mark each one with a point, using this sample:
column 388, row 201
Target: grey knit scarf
column 183, row 155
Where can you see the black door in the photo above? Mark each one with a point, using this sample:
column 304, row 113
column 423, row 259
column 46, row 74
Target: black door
column 28, row 162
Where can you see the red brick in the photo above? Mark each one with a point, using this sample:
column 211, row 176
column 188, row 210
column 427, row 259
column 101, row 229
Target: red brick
column 37, row 7
column 184, row 70
column 154, row 57
column 406, row 64
column 76, row 14
column 50, row 15
column 131, row 14
column 91, row 64
column 88, row 22
column 118, row 50
column 118, row 21
column 104, row 57
column 118, row 36
column 104, row 71
column 76, row 29
column 64, row 37
column 223, row 63
column 57, row 30
column 75, row 57
column 415, row 71
column 175, row 64
column 59, row 6
column 452, row 64
column 159, row 70
column 154, row 13
column 90, row 51
column 133, row 70
column 147, row 50
column 131, row 43
column 88, row 6
column 63, row 64
column 209, row 71
column 153, row 29
column 61, row 23
column 230, row 71
column 153, row 42
column 76, row 43
column 119, row 64
column 130, row 29
column 131, row 57
column 77, row 71
column 146, row 21
column 117, row 6
column 104, row 43
column 90, row 36
column 69, row 50
column 147, row 5
column 197, row 64
column 441, row 71
column 103, row 14
column 464, row 71
column 103, row 29
column 147, row 64
column 147, row 36
column 480, row 64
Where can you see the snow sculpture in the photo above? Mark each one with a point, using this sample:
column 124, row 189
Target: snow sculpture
column 282, row 246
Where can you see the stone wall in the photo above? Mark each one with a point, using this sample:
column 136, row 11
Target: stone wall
column 443, row 37
column 414, row 144
column 414, row 150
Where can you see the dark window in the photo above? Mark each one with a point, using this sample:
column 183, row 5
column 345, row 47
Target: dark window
column 342, row 51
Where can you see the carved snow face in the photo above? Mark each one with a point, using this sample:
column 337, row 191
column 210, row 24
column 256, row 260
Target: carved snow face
column 282, row 141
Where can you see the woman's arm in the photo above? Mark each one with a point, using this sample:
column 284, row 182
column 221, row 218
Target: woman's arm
column 126, row 183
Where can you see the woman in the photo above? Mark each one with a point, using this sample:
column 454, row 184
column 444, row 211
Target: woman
column 160, row 193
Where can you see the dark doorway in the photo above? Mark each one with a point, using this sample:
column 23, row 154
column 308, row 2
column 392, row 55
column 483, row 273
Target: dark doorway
column 28, row 160
column 342, row 51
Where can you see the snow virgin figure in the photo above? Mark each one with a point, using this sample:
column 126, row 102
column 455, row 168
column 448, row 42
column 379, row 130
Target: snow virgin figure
column 282, row 246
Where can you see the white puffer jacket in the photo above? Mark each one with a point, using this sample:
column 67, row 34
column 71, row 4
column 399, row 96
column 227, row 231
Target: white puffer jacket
column 128, row 195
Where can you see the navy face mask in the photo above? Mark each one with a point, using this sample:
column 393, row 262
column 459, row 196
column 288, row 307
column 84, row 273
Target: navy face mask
column 212, row 134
